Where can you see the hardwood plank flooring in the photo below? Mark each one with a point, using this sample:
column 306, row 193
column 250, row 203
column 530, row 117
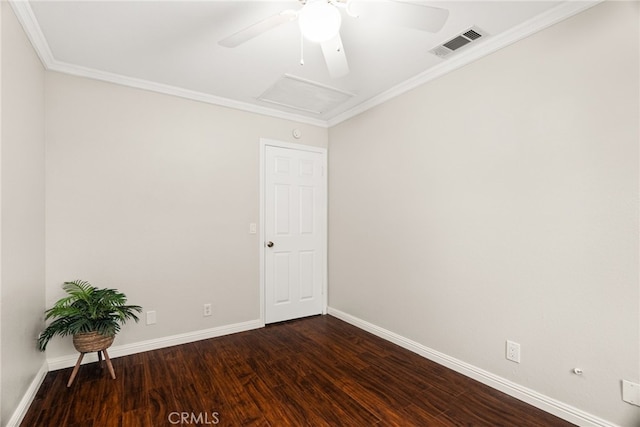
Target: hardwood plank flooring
column 317, row 371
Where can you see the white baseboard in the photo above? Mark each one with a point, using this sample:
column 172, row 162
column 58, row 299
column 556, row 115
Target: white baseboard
column 122, row 350
column 29, row 395
column 532, row 397
column 154, row 344
column 548, row 404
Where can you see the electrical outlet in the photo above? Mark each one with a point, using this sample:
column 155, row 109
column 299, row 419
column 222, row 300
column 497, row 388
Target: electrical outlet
column 206, row 310
column 151, row 317
column 513, row 351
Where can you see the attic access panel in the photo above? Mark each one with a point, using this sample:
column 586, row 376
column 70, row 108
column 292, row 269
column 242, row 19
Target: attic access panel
column 304, row 95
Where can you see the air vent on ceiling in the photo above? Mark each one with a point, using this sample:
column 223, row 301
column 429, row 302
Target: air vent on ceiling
column 466, row 38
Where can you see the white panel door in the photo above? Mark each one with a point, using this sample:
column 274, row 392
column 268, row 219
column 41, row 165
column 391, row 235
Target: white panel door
column 294, row 232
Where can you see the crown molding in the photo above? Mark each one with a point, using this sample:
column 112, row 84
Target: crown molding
column 29, row 23
column 119, row 79
column 492, row 44
column 561, row 12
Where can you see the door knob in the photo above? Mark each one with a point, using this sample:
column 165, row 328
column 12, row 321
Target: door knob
column 269, row 244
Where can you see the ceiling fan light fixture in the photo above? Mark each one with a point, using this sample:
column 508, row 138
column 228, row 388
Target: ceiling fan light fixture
column 319, row 21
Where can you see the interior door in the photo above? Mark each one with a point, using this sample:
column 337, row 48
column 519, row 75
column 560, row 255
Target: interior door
column 294, row 233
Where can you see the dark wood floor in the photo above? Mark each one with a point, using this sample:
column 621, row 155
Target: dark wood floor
column 317, row 371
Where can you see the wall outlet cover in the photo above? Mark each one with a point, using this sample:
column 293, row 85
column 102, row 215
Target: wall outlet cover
column 151, row 317
column 206, row 310
column 513, row 351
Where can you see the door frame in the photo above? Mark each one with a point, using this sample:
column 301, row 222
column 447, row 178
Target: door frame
column 264, row 143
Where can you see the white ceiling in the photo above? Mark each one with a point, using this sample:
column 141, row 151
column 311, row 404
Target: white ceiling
column 172, row 47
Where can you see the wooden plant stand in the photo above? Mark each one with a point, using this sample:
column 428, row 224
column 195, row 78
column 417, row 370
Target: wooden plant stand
column 100, row 352
column 88, row 343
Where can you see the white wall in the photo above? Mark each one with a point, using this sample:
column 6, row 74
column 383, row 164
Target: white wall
column 21, row 211
column 501, row 202
column 153, row 195
column 498, row 202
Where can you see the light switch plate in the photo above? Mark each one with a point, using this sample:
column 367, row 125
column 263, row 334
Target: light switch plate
column 631, row 392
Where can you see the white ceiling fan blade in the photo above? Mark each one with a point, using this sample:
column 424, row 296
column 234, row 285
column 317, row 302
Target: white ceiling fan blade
column 335, row 57
column 411, row 15
column 258, row 28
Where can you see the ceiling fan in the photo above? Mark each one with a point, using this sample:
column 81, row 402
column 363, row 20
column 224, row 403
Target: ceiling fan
column 320, row 21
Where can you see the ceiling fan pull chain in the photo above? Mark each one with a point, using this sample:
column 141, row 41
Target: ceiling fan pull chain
column 301, row 49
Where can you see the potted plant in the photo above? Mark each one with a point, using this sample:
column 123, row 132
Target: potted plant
column 93, row 316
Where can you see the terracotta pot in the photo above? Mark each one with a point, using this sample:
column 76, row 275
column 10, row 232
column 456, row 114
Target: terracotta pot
column 89, row 342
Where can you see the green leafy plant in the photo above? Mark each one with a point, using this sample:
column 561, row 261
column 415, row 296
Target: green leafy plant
column 87, row 309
